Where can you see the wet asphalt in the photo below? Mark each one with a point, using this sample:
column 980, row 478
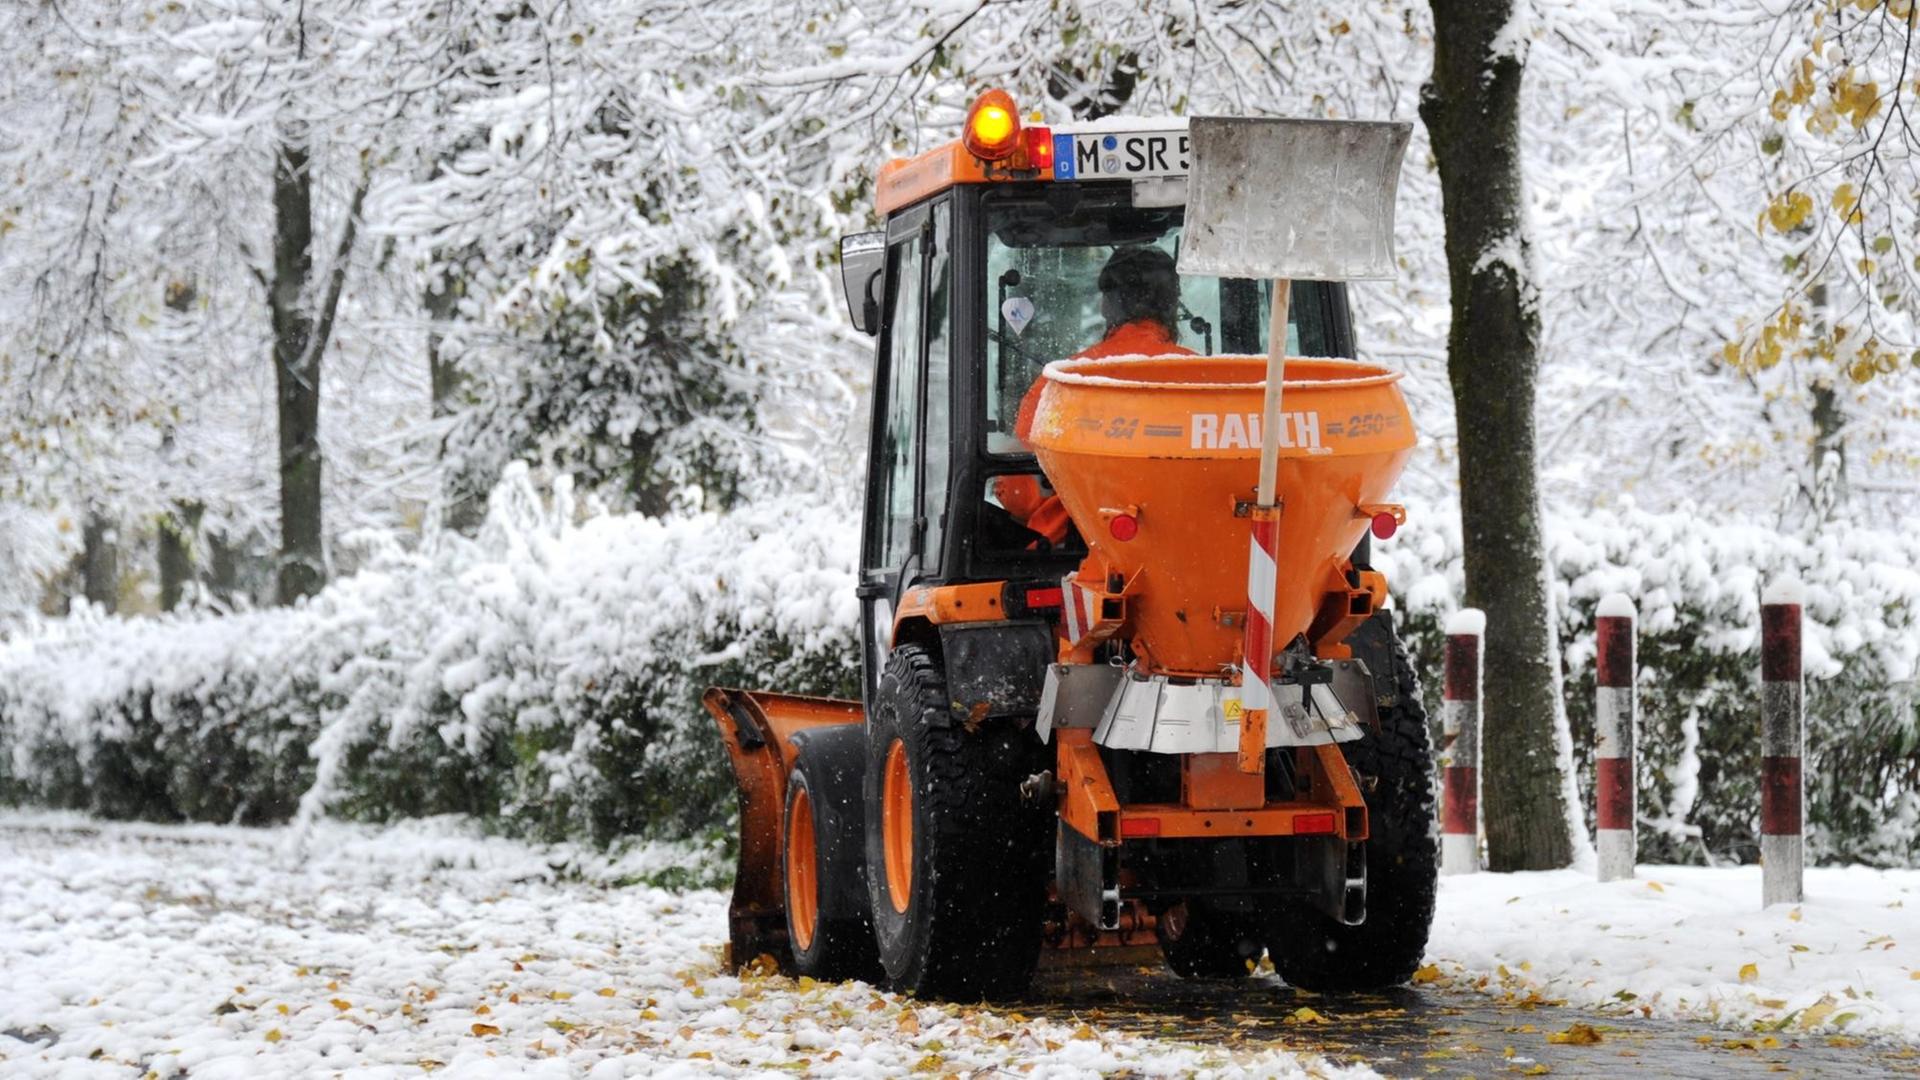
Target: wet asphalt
column 1430, row 1031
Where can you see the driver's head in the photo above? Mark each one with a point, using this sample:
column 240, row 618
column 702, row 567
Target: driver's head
column 1140, row 283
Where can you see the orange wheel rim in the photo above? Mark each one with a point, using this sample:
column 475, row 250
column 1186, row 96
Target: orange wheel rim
column 896, row 826
column 803, row 884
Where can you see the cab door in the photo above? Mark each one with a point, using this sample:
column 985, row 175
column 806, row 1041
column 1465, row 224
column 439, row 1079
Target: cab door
column 908, row 457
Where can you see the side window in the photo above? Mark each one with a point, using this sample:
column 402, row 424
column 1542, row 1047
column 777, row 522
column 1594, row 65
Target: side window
column 892, row 505
column 938, row 438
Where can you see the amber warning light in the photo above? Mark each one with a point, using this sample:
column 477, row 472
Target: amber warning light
column 993, row 126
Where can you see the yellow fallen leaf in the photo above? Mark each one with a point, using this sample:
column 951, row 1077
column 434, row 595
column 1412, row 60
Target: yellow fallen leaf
column 337, row 1003
column 1304, row 1015
column 1539, row 1069
column 703, row 1055
column 1431, row 973
column 1656, row 886
column 485, row 1029
column 1749, row 972
column 273, row 1036
column 605, row 991
column 807, row 983
column 929, row 1064
column 909, row 1023
column 1815, row 1015
column 1085, row 1033
column 281, row 1008
column 1794, row 914
column 482, row 1010
column 563, row 995
column 1577, row 1035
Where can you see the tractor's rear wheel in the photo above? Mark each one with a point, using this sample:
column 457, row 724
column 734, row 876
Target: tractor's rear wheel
column 1198, row 942
column 1315, row 952
column 958, row 860
column 823, row 861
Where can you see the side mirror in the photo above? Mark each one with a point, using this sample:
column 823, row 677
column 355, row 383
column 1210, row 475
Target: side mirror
column 862, row 258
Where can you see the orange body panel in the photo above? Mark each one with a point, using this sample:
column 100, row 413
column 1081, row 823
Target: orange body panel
column 758, row 730
column 942, row 604
column 1177, row 438
column 904, row 181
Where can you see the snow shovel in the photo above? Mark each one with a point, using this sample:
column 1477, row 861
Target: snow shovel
column 1285, row 200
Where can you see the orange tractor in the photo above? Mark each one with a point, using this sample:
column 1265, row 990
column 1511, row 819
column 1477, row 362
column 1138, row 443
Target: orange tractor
column 1128, row 680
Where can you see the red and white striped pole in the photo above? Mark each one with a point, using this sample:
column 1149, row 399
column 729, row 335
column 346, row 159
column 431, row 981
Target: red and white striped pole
column 1460, row 719
column 1613, row 722
column 1782, row 735
column 1256, row 646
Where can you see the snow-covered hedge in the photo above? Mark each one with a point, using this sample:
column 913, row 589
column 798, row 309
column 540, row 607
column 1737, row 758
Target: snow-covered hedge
column 1696, row 583
column 547, row 675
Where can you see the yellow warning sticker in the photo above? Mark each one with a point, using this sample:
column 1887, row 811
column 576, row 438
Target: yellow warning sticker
column 1231, row 707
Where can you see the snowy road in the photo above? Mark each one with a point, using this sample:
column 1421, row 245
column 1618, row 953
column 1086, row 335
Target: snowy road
column 134, row 949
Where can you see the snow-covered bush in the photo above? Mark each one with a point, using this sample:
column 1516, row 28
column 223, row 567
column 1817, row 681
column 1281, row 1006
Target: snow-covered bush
column 546, row 675
column 1696, row 583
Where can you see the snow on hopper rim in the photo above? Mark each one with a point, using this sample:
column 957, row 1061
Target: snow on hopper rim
column 1467, row 621
column 1616, row 605
column 1784, row 590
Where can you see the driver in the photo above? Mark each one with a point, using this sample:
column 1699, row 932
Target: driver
column 1140, row 301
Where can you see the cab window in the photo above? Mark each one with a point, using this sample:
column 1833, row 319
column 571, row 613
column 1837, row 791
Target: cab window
column 1047, row 254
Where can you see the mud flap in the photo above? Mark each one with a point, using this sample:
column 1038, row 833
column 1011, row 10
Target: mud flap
column 1088, row 876
column 1336, row 872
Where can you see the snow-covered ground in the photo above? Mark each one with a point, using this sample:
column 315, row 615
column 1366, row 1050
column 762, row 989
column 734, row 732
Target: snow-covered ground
column 131, row 950
column 1693, row 942
column 137, row 950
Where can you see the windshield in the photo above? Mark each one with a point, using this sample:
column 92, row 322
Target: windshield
column 1080, row 271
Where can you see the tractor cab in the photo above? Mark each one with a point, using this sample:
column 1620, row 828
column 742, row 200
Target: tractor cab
column 987, row 271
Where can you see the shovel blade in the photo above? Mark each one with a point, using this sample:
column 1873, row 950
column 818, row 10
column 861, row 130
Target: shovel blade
column 1307, row 200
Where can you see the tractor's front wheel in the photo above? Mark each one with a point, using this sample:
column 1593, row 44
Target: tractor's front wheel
column 1315, row 952
column 823, row 858
column 957, row 861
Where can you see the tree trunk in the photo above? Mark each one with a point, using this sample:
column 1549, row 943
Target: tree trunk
column 464, row 508
column 100, row 563
column 302, row 326
column 223, row 570
column 176, row 553
column 296, row 369
column 1472, row 112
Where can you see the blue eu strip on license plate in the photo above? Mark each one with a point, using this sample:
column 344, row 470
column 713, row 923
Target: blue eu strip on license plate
column 1120, row 155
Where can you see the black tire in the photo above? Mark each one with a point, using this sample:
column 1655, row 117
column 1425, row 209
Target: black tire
column 826, row 784
column 1314, row 952
column 1198, row 942
column 977, row 857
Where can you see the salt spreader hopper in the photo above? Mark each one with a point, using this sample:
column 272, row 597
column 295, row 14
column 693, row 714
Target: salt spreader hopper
column 1128, row 680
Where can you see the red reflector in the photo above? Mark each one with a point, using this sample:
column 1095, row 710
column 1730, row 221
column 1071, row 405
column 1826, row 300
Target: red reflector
column 1147, row 826
column 1039, row 148
column 1384, row 526
column 1043, row 597
column 1124, row 527
column 1312, row 824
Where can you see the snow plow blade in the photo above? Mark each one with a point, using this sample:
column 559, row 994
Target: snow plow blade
column 758, row 729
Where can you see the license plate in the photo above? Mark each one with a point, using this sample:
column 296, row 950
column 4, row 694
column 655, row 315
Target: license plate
column 1120, row 155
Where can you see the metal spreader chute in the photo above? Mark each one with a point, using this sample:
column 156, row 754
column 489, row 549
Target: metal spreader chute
column 1287, row 200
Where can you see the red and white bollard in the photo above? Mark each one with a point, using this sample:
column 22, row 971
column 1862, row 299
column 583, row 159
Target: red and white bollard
column 1460, row 719
column 1614, row 724
column 1782, row 737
